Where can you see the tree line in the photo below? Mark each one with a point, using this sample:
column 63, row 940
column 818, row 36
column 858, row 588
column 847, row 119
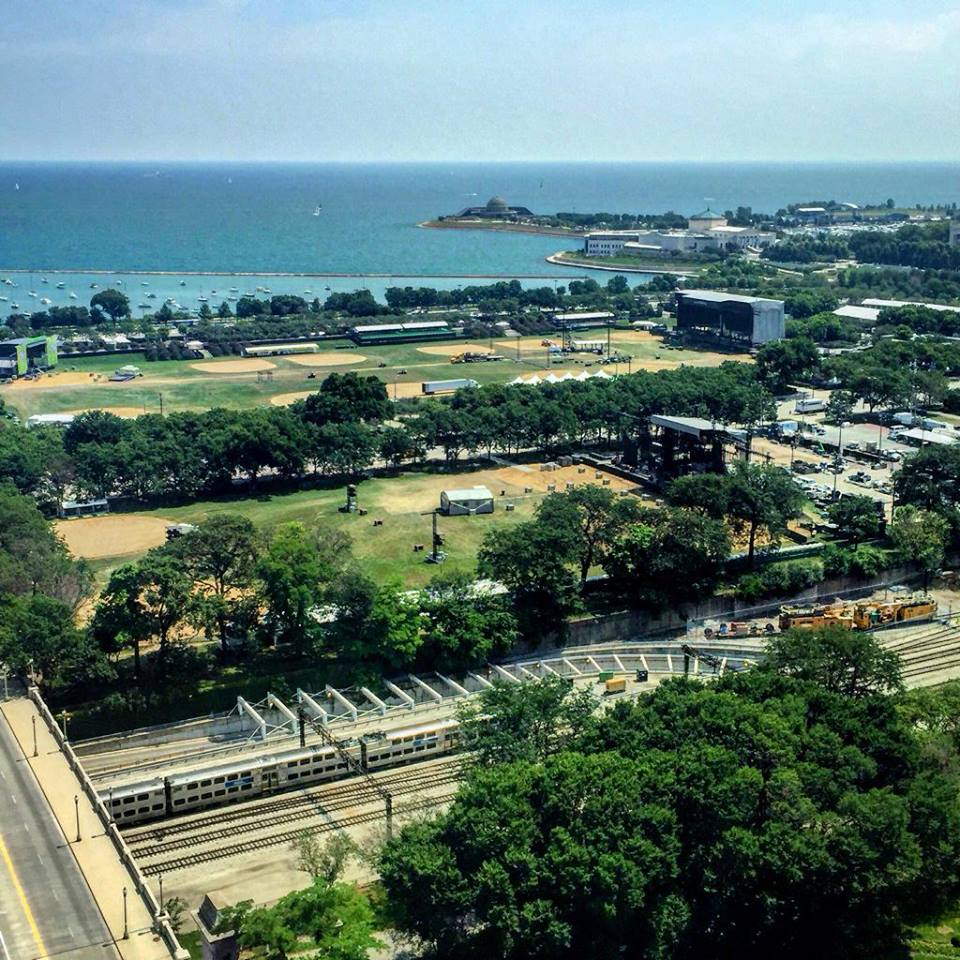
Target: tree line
column 340, row 431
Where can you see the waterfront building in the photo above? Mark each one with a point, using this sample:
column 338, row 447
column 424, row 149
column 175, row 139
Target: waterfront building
column 720, row 237
column 496, row 208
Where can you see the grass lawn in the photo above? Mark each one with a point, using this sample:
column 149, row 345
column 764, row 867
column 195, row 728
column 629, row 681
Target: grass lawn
column 81, row 384
column 932, row 941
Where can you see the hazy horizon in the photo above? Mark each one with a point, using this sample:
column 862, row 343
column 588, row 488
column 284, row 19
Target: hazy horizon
column 348, row 81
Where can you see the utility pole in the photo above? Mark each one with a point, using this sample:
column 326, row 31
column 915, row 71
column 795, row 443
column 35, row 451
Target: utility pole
column 358, row 768
column 436, row 555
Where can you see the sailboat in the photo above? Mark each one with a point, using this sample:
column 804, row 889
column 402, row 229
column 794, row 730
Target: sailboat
column 317, row 209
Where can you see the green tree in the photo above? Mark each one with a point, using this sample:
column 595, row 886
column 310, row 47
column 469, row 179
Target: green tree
column 856, row 518
column 786, row 811
column 144, row 601
column 848, row 662
column 840, row 406
column 38, row 636
column 113, row 303
column 920, row 537
column 755, row 498
column 293, row 574
column 591, row 518
column 333, row 919
column 528, row 721
column 463, row 624
column 645, row 560
column 220, row 555
column 392, row 630
column 533, row 561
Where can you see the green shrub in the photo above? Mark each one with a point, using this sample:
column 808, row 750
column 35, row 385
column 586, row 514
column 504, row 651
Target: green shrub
column 780, row 579
column 864, row 561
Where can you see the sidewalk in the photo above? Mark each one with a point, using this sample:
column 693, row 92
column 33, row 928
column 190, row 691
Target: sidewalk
column 95, row 854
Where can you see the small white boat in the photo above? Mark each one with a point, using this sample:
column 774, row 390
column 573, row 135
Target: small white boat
column 171, row 300
column 32, row 293
column 46, row 301
column 93, row 286
column 4, row 299
column 14, row 306
column 144, row 283
column 183, row 283
column 232, row 298
column 143, row 306
column 61, row 285
column 8, row 281
column 44, row 280
column 203, row 299
column 73, row 296
column 266, row 290
column 234, row 289
column 151, row 295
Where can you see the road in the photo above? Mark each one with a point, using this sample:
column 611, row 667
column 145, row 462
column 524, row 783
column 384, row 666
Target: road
column 46, row 909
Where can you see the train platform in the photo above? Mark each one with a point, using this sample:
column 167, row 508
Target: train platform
column 59, row 896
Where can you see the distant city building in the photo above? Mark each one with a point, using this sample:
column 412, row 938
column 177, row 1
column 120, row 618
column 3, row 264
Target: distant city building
column 707, row 231
column 27, row 354
column 739, row 320
column 496, row 208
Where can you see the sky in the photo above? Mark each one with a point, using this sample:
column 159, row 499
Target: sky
column 481, row 80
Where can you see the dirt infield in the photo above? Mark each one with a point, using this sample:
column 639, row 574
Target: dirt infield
column 67, row 378
column 402, row 391
column 112, row 535
column 285, row 399
column 338, row 358
column 505, row 483
column 250, row 365
column 452, row 349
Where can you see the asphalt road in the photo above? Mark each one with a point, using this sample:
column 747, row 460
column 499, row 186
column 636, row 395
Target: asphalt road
column 46, row 909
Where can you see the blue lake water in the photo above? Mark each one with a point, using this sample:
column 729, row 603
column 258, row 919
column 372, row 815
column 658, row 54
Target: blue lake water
column 222, row 218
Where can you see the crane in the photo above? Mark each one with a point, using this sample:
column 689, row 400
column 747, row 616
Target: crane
column 708, row 658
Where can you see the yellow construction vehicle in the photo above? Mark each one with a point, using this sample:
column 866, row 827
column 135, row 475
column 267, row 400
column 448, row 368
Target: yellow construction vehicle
column 861, row 615
column 816, row 617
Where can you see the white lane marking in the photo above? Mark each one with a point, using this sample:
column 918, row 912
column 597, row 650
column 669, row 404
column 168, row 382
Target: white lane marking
column 26, row 826
column 40, row 859
column 56, row 896
column 3, row 946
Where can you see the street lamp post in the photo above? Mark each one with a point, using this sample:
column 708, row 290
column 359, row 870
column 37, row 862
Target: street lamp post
column 76, row 810
column 64, row 717
column 126, row 929
column 837, row 461
column 33, row 723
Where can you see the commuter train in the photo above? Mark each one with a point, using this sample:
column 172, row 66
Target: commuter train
column 260, row 775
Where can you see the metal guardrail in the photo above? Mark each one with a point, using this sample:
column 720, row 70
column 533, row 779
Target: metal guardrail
column 161, row 922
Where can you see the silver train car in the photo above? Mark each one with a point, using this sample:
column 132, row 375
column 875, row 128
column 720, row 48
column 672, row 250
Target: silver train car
column 265, row 774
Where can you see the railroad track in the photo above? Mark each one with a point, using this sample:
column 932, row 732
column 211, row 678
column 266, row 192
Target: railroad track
column 322, row 793
column 148, row 848
column 275, row 839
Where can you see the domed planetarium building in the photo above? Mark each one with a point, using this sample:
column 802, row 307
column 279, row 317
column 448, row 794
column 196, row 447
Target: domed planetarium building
column 496, row 208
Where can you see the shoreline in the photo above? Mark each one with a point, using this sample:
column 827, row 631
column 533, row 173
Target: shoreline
column 99, row 271
column 650, row 270
column 499, row 226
